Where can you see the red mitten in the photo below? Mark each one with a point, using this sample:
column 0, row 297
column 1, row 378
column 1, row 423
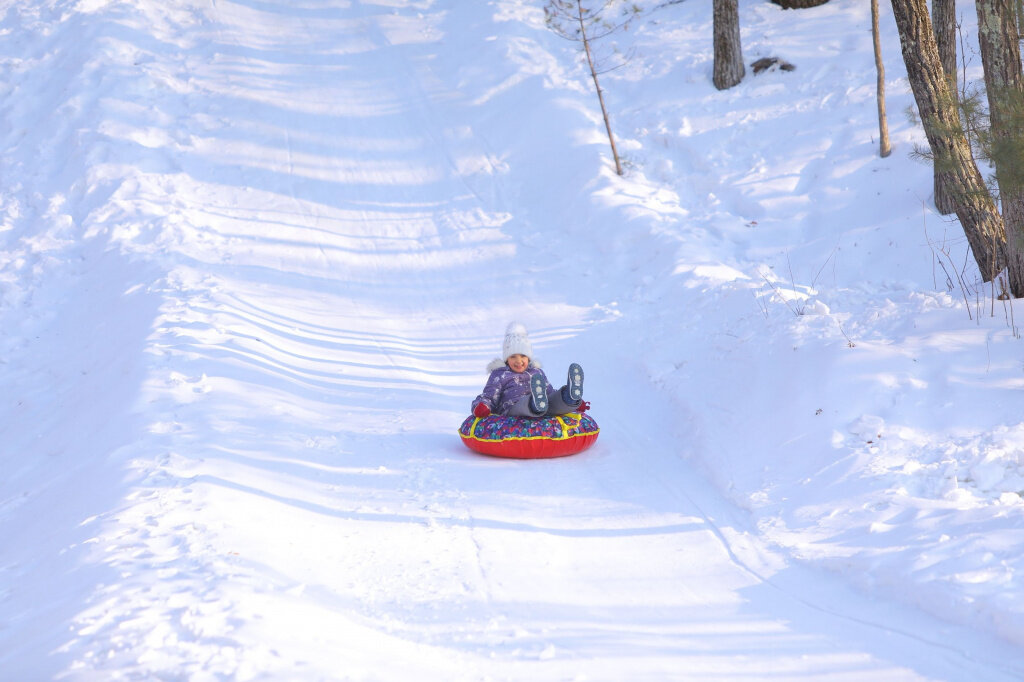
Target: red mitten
column 481, row 410
column 583, row 406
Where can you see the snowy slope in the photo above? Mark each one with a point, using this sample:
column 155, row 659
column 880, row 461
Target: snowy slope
column 254, row 256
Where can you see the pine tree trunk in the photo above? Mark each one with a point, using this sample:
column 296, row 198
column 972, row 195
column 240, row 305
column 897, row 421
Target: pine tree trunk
column 884, row 148
column 975, row 207
column 597, row 86
column 1004, row 83
column 944, row 24
column 728, row 68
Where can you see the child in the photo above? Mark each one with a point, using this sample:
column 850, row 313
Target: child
column 517, row 387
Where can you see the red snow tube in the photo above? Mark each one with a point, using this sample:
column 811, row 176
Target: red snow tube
column 524, row 438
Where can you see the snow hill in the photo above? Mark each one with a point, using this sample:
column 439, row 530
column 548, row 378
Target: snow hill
column 255, row 254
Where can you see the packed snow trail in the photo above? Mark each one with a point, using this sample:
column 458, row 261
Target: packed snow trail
column 295, row 239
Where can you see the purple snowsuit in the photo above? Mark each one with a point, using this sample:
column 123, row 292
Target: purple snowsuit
column 508, row 393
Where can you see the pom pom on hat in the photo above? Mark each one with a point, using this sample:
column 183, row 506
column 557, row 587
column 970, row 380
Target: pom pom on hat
column 516, row 341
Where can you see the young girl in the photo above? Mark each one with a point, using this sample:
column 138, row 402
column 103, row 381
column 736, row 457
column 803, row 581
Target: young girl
column 517, row 386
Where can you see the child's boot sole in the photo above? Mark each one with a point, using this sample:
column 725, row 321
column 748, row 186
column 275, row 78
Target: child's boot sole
column 574, row 382
column 538, row 395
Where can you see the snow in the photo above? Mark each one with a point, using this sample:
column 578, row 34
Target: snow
column 255, row 254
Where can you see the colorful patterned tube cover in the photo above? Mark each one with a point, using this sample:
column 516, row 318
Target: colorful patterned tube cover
column 524, row 438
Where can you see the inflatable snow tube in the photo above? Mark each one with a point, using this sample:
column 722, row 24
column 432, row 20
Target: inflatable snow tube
column 523, row 438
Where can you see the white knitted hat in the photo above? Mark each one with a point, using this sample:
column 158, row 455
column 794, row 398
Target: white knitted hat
column 516, row 341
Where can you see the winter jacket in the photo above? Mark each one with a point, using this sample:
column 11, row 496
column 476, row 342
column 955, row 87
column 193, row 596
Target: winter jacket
column 505, row 388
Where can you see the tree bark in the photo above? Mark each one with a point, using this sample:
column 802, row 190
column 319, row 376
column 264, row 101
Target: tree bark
column 944, row 24
column 728, row 68
column 975, row 207
column 884, row 148
column 1004, row 84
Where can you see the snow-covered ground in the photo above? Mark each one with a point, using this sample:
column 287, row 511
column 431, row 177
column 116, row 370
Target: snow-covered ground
column 255, row 254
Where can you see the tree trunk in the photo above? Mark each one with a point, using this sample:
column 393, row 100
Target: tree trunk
column 974, row 205
column 1004, row 83
column 944, row 23
column 597, row 85
column 728, row 68
column 884, row 148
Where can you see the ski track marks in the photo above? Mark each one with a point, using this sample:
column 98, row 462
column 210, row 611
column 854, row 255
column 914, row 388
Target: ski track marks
column 316, row 213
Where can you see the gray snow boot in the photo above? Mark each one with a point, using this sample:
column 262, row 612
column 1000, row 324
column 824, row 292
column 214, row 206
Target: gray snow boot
column 538, row 395
column 573, row 392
